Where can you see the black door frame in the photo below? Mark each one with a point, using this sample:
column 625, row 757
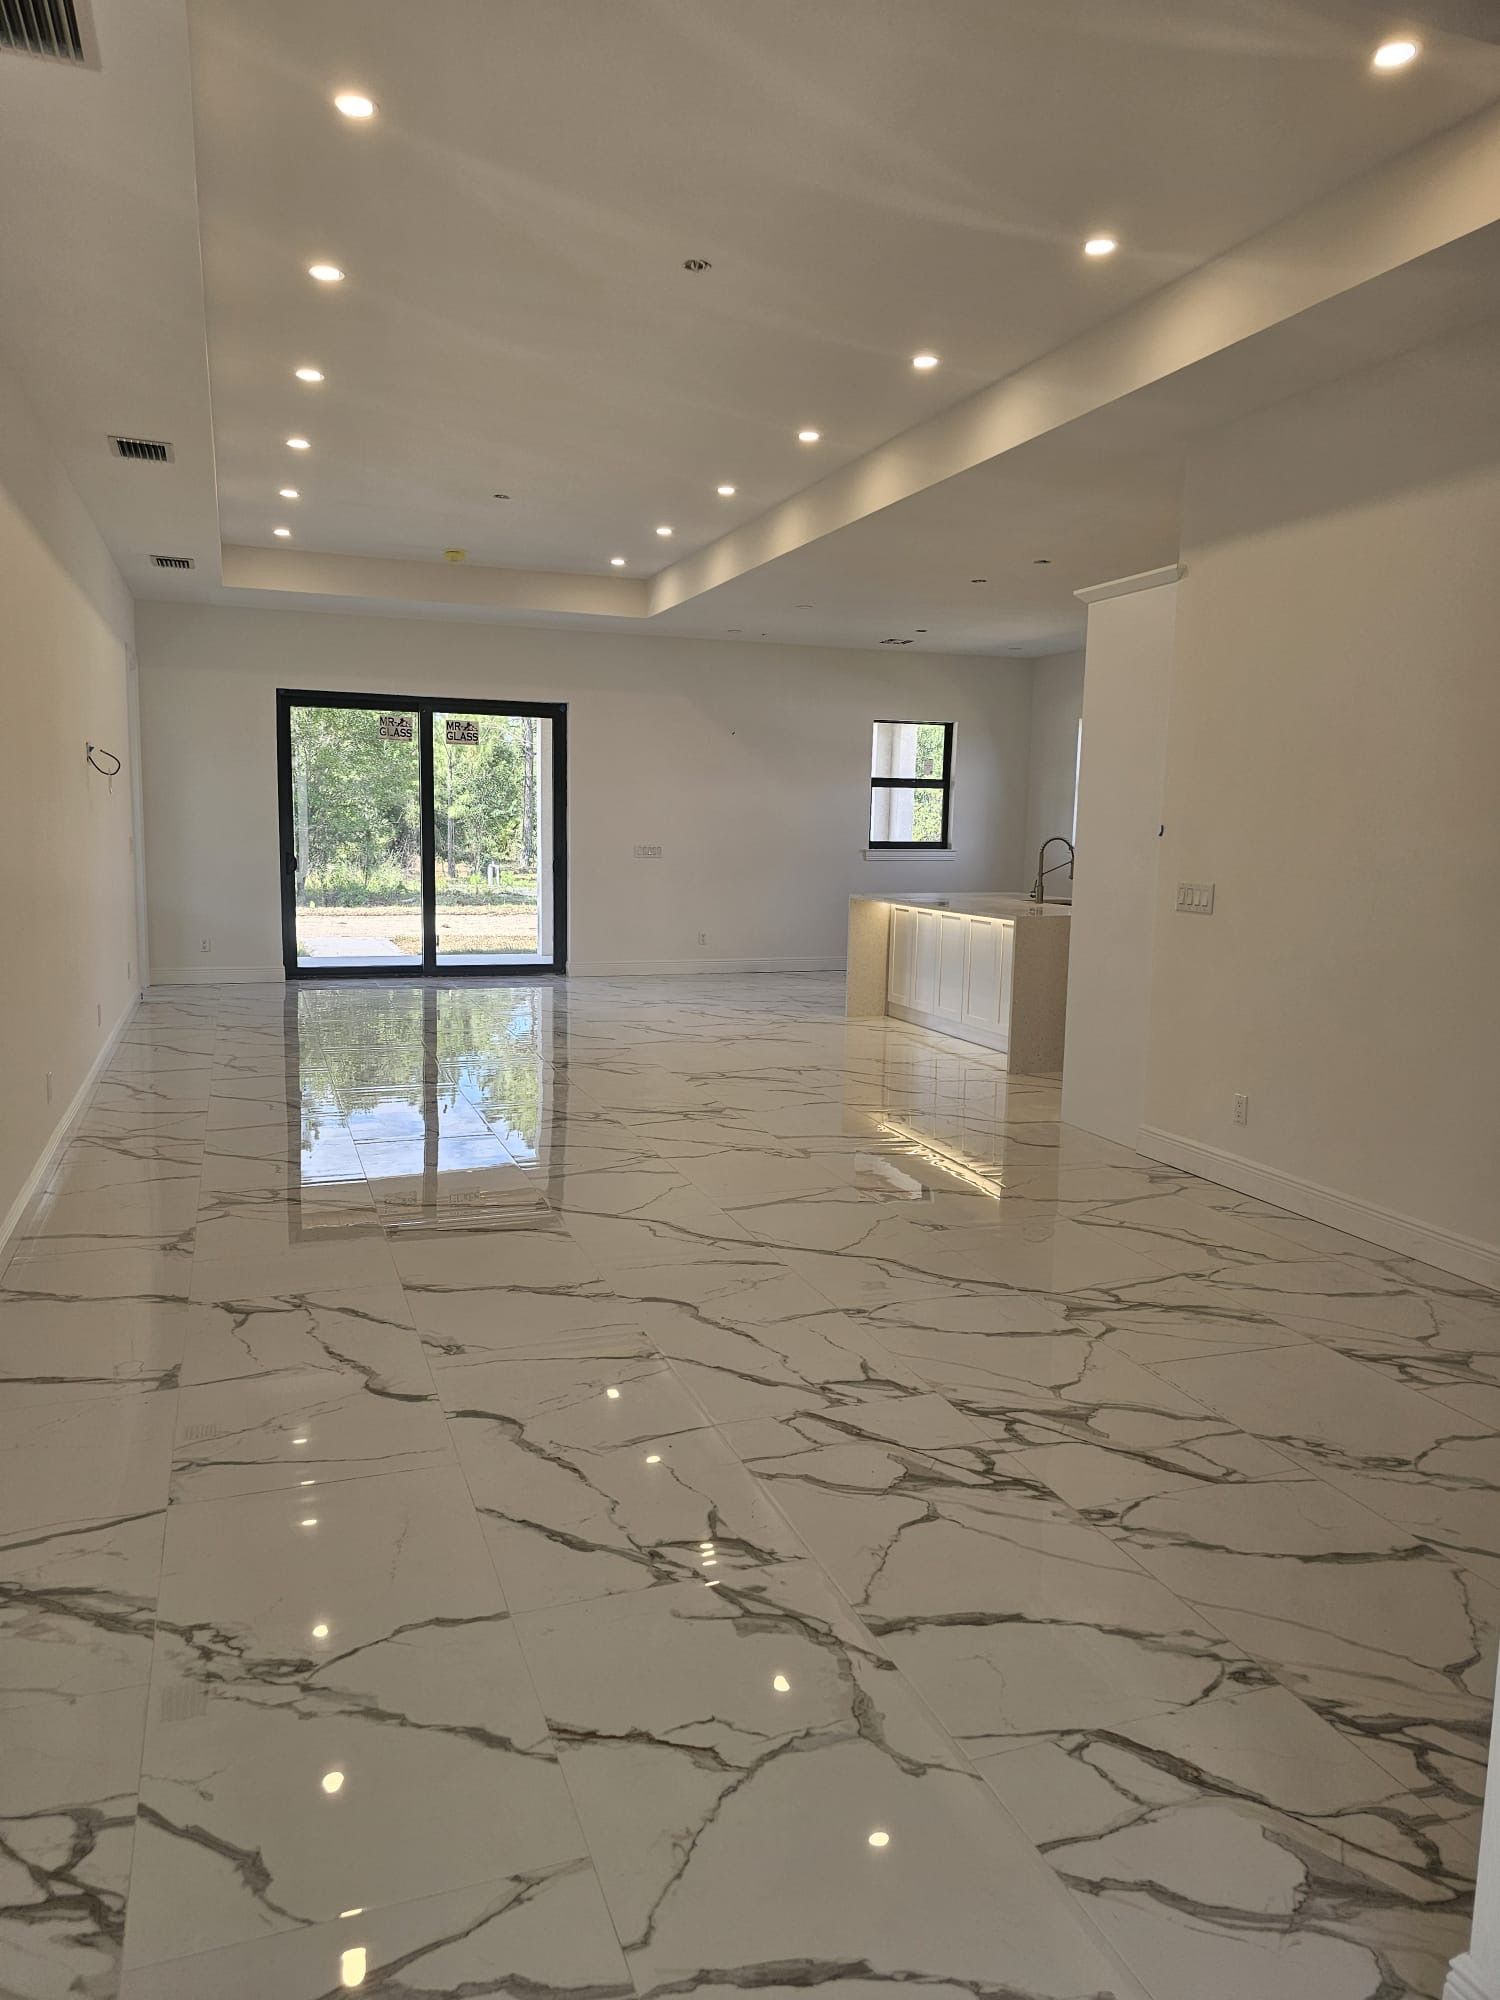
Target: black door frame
column 424, row 707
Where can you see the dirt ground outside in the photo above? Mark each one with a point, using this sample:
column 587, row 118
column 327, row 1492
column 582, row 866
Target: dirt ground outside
column 395, row 931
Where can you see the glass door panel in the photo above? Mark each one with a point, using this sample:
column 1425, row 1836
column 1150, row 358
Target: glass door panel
column 491, row 831
column 356, row 848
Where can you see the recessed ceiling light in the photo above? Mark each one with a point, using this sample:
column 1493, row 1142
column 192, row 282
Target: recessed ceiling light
column 1100, row 246
column 353, row 105
column 808, row 437
column 617, row 562
column 725, row 492
column 924, row 361
column 664, row 531
column 298, row 444
column 326, row 274
column 308, row 374
column 284, row 533
column 879, row 1838
column 290, row 493
column 1395, row 55
column 332, row 1781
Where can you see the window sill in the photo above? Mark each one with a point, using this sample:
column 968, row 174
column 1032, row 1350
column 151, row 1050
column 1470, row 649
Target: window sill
column 909, row 853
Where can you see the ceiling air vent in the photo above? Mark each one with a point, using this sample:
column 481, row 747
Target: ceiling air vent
column 58, row 29
column 173, row 562
column 149, row 451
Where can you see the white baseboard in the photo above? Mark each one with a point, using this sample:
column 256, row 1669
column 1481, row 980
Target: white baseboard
column 624, row 968
column 1465, row 1256
column 36, row 1179
column 217, row 975
column 1464, row 1982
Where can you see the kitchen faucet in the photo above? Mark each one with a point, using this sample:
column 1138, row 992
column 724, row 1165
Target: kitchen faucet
column 1039, row 886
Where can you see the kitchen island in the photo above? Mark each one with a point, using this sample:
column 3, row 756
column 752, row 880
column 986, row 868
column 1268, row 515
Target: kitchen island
column 991, row 969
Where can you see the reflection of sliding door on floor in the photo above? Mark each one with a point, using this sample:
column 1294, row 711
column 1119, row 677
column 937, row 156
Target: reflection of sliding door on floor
column 420, row 835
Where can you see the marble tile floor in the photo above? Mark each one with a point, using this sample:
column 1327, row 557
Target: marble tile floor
column 647, row 1487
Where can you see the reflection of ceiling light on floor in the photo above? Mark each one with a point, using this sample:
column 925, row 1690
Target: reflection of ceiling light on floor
column 937, row 1158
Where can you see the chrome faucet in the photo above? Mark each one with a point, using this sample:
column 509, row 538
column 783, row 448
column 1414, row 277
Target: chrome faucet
column 1039, row 886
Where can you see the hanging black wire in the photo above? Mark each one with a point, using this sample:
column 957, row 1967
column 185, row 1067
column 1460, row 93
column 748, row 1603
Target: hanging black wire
column 104, row 770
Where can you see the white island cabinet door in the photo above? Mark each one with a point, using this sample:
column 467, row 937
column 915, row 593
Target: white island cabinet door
column 924, row 977
column 903, row 956
column 953, row 948
column 987, row 993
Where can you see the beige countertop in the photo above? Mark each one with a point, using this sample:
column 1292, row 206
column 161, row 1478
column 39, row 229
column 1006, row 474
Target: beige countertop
column 997, row 903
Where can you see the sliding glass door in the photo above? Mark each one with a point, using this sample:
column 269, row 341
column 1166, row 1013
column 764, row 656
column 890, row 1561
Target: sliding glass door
column 419, row 835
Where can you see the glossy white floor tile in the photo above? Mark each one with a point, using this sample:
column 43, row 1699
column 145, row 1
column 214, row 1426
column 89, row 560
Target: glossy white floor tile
column 645, row 1487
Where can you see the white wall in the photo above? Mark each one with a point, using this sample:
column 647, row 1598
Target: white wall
column 1333, row 760
column 1056, row 705
column 1129, row 663
column 67, row 880
column 749, row 764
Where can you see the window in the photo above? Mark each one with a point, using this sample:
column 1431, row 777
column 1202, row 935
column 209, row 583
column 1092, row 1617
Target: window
column 911, row 779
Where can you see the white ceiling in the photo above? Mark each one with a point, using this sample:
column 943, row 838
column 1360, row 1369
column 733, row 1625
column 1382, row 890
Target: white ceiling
column 867, row 177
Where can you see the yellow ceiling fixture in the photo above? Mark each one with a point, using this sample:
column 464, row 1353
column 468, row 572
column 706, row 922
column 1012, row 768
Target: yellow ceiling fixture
column 454, row 555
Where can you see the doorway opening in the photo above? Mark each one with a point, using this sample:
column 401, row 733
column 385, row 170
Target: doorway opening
column 421, row 835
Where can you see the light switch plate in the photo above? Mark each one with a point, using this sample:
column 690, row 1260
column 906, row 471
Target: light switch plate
column 647, row 852
column 1195, row 899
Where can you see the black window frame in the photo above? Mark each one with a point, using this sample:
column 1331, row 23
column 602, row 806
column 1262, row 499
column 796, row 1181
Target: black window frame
column 423, row 707
column 944, row 784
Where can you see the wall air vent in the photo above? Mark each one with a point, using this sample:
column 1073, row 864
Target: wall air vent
column 895, row 642
column 147, row 451
column 173, row 562
column 58, row 29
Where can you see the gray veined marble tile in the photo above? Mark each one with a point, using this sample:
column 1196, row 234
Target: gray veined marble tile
column 535, row 1254
column 100, row 1161
column 301, row 1390
column 55, row 1349
column 78, row 1609
column 775, row 1346
column 38, row 1269
column 1009, row 1614
column 1411, row 1458
column 769, row 1807
column 566, row 1521
column 154, row 1094
column 1143, row 1458
column 340, row 1717
column 545, row 1932
column 1385, row 1636
column 67, row 1817
column 290, row 1250
column 1228, row 1851
column 1032, row 1387
column 135, row 1214
column 590, row 1392
column 86, row 1455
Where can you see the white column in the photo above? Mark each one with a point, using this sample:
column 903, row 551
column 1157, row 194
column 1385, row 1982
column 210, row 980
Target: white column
column 1126, row 692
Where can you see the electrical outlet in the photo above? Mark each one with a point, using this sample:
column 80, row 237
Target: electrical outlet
column 1241, row 1108
column 703, row 937
column 49, row 1086
column 205, row 944
column 1195, row 899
